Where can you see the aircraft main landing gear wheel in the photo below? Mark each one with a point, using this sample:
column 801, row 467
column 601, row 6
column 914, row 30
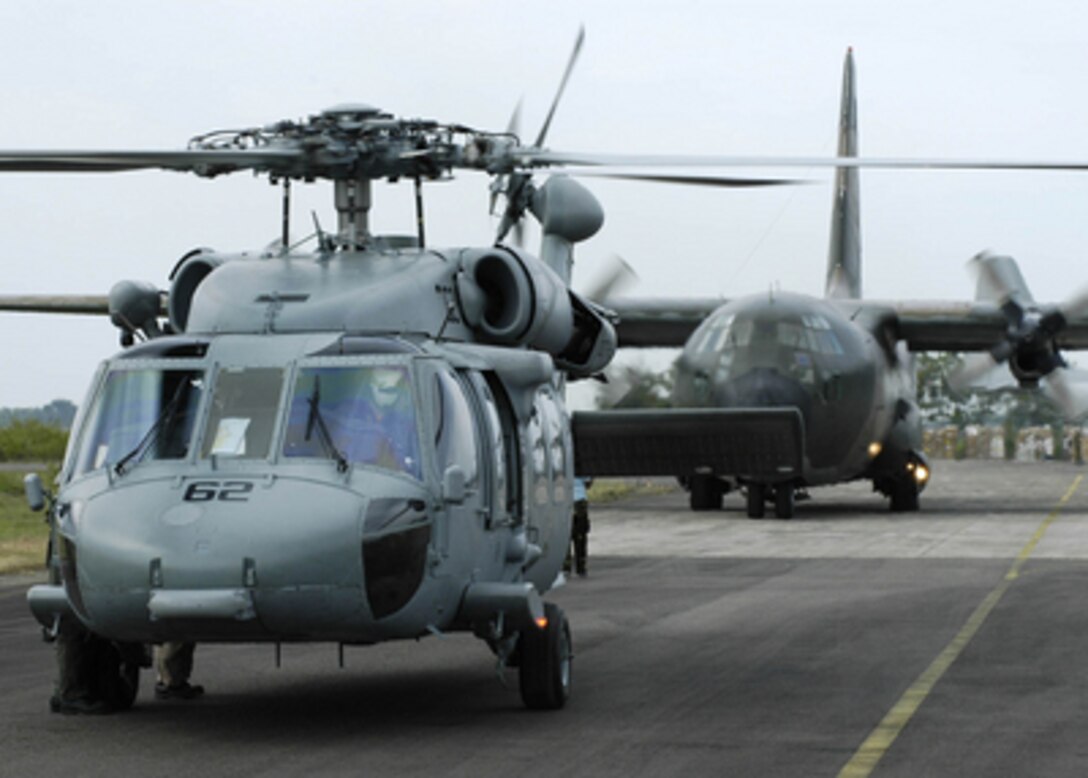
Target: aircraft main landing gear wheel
column 783, row 501
column 706, row 493
column 546, row 662
column 757, row 495
column 904, row 496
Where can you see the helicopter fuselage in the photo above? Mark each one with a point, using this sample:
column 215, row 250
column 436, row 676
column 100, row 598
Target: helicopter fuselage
column 269, row 502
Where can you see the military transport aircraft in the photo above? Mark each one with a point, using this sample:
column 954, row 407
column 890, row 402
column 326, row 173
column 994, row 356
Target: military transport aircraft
column 818, row 390
column 366, row 439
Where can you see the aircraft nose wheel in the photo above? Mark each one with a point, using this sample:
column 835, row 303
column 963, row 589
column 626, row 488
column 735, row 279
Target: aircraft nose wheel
column 546, row 662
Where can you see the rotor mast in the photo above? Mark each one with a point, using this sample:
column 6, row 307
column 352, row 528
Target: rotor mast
column 353, row 199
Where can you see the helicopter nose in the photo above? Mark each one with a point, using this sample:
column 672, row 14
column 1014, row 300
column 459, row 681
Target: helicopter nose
column 289, row 559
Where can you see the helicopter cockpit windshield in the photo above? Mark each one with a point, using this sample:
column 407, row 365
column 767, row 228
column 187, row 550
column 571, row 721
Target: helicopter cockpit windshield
column 358, row 413
column 354, row 414
column 140, row 413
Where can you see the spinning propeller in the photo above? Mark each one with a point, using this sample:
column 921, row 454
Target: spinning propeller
column 1029, row 345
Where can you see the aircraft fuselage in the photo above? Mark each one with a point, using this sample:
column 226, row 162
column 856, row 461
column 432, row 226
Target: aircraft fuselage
column 854, row 389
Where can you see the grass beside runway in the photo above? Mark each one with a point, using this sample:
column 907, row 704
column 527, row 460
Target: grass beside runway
column 23, row 534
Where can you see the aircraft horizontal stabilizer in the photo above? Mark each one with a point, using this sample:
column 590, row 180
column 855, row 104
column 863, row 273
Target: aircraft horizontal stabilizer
column 764, row 443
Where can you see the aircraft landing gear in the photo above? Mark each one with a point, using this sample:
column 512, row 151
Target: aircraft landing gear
column 757, row 498
column 904, row 495
column 706, row 493
column 784, row 501
column 546, row 662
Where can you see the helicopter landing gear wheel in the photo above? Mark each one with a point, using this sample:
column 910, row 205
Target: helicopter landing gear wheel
column 116, row 672
column 546, row 662
column 706, row 493
column 757, row 495
column 784, row 501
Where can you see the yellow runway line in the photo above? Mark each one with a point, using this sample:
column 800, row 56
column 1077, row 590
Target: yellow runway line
column 881, row 739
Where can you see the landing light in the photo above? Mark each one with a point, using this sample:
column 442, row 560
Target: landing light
column 874, row 449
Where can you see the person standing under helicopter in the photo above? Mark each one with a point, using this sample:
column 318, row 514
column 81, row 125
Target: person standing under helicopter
column 579, row 527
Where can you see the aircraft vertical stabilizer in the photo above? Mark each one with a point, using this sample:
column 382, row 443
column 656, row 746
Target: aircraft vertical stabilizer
column 844, row 259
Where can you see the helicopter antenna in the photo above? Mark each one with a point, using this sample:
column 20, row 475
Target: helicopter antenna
column 323, row 243
column 419, row 213
column 286, row 214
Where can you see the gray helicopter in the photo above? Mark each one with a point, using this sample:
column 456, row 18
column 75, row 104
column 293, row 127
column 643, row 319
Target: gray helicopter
column 361, row 442
column 815, row 391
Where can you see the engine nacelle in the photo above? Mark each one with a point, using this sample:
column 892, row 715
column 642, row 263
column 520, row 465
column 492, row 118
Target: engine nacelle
column 186, row 278
column 512, row 299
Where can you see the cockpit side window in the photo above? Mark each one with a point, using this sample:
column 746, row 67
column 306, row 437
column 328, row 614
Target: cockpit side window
column 363, row 413
column 243, row 412
column 148, row 413
column 455, row 429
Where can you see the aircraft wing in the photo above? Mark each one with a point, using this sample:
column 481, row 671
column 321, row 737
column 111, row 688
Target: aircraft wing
column 765, row 443
column 659, row 321
column 94, row 304
column 960, row 326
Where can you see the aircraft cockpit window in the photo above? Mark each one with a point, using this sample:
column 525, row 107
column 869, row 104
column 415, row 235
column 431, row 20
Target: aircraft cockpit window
column 140, row 414
column 243, row 414
column 360, row 414
column 455, row 430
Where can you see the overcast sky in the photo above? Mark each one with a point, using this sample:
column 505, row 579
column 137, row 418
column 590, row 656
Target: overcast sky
column 949, row 79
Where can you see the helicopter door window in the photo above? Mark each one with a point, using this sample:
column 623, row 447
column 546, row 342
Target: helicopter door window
column 243, row 414
column 496, row 444
column 140, row 414
column 557, row 447
column 362, row 414
column 455, row 432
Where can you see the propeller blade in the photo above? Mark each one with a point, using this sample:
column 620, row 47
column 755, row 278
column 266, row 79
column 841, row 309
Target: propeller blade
column 513, row 127
column 998, row 279
column 562, row 85
column 1075, row 306
column 1070, row 396
column 973, row 368
column 615, row 275
column 728, row 182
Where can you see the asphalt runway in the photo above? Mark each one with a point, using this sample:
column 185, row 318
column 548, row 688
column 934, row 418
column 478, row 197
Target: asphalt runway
column 706, row 644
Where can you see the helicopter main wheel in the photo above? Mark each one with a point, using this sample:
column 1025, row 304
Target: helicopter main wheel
column 706, row 493
column 904, row 496
column 784, row 501
column 757, row 497
column 116, row 672
column 546, row 662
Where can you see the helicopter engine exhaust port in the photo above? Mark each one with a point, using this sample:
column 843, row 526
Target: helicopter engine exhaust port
column 187, row 278
column 513, row 299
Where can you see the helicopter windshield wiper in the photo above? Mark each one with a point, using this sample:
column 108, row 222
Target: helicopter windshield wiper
column 152, row 435
column 316, row 418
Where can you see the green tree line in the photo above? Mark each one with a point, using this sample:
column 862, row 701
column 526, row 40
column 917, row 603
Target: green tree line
column 32, row 441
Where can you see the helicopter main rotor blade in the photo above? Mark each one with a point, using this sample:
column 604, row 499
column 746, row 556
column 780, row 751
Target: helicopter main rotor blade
column 529, row 157
column 728, row 182
column 94, row 304
column 207, row 162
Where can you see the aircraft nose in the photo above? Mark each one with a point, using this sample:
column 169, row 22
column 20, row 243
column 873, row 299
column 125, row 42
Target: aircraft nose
column 763, row 388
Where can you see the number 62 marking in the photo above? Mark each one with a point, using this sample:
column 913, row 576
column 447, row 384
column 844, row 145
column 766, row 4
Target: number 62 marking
column 224, row 491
